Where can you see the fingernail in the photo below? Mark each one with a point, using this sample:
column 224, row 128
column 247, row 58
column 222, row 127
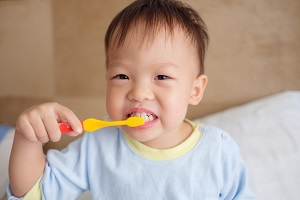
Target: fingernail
column 78, row 130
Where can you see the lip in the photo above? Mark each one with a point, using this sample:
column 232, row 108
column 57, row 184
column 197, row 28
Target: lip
column 148, row 124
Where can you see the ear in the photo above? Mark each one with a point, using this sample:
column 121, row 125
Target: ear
column 198, row 89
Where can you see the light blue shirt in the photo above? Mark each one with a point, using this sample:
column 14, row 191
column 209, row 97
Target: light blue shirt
column 105, row 164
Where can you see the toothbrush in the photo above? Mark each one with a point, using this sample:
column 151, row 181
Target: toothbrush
column 92, row 124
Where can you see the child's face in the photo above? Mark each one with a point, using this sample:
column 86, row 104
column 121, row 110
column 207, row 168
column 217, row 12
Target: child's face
column 158, row 81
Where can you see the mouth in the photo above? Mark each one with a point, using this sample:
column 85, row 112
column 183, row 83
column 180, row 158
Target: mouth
column 148, row 117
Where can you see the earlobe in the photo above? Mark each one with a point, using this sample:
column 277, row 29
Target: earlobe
column 198, row 89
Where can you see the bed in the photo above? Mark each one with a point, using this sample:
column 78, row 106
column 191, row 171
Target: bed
column 268, row 134
column 267, row 131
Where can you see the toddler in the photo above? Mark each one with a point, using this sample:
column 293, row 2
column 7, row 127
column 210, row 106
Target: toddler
column 155, row 53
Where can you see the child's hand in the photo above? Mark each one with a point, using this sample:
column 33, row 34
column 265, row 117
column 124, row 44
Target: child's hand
column 40, row 122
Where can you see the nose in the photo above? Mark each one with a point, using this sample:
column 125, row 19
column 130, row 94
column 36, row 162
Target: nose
column 140, row 93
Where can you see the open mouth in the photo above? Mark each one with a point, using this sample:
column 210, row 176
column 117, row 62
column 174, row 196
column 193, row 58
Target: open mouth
column 147, row 116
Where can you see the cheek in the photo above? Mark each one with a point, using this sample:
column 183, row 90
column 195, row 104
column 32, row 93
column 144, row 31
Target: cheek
column 174, row 104
column 178, row 95
column 114, row 104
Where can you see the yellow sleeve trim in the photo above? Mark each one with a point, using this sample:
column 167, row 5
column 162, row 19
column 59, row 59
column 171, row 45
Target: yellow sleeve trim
column 35, row 192
column 166, row 154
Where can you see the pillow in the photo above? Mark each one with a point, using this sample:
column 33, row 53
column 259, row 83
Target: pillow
column 6, row 140
column 268, row 134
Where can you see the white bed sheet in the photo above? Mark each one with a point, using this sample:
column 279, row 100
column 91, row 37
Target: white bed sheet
column 268, row 134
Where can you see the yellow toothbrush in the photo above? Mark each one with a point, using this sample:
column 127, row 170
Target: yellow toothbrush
column 92, row 124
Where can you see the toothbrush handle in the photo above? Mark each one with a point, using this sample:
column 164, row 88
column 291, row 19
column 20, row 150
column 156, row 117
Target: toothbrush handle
column 65, row 127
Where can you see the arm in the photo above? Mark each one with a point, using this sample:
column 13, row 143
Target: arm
column 35, row 126
column 235, row 172
column 26, row 164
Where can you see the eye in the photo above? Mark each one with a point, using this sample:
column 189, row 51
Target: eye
column 162, row 77
column 121, row 76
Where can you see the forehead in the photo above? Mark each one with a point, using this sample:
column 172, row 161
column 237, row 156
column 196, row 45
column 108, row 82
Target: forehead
column 141, row 36
column 146, row 48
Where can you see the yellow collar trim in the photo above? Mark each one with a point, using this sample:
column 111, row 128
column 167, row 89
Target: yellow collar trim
column 166, row 154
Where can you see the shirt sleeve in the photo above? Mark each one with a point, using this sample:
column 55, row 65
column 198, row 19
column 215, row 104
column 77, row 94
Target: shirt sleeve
column 235, row 173
column 66, row 175
column 33, row 193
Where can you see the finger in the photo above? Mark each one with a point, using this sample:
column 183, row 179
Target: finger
column 39, row 129
column 72, row 133
column 24, row 127
column 51, row 127
column 66, row 115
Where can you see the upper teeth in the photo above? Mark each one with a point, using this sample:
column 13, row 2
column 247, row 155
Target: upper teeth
column 146, row 116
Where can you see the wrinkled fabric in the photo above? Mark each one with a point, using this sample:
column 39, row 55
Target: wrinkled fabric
column 104, row 163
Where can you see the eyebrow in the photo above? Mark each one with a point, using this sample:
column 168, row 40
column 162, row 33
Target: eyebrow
column 167, row 64
column 163, row 64
column 116, row 64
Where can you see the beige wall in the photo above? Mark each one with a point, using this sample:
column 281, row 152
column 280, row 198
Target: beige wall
column 254, row 50
column 53, row 50
column 26, row 56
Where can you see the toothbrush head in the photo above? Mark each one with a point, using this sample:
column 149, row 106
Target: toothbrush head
column 135, row 121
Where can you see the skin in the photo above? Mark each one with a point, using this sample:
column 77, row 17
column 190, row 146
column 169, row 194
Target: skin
column 161, row 77
column 35, row 126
